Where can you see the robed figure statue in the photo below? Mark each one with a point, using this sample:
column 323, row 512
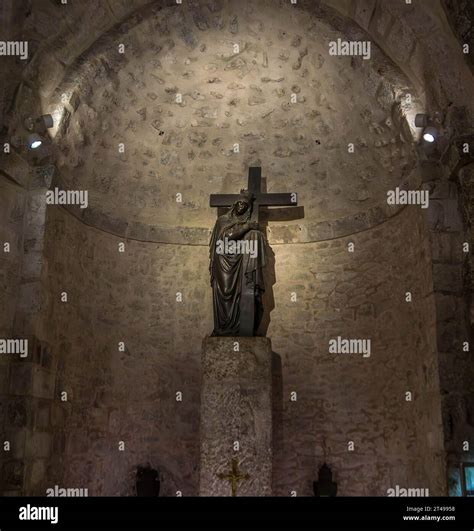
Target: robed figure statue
column 237, row 258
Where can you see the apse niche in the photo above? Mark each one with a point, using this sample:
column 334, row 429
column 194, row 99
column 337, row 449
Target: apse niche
column 166, row 109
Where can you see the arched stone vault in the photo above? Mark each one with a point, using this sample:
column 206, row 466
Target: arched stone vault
column 167, row 156
column 74, row 57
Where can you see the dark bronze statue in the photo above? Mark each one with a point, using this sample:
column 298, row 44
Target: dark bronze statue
column 237, row 253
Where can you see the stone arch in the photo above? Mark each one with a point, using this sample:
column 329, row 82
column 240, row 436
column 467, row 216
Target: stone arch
column 102, row 55
column 71, row 50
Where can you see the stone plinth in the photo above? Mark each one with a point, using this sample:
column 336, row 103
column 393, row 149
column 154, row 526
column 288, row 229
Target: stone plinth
column 236, row 407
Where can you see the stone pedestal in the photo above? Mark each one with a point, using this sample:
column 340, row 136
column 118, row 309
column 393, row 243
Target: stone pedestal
column 236, row 416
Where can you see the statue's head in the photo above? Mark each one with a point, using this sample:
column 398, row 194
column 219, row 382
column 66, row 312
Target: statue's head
column 241, row 207
column 244, row 203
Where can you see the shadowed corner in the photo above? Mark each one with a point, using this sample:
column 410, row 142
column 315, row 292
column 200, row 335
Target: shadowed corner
column 277, row 417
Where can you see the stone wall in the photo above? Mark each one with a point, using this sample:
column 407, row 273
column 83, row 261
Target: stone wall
column 12, row 208
column 130, row 396
column 450, row 222
column 127, row 396
column 342, row 398
column 182, row 111
column 26, row 383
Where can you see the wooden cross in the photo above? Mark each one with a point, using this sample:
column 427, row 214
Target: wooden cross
column 260, row 198
column 233, row 476
column 247, row 301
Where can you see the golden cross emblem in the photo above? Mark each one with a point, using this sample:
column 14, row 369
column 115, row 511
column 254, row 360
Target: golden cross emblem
column 234, row 476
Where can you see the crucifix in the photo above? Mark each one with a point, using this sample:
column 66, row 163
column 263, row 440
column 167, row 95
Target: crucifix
column 234, row 476
column 237, row 280
column 260, row 198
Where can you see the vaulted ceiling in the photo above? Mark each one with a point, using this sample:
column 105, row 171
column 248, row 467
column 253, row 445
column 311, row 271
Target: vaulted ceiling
column 335, row 129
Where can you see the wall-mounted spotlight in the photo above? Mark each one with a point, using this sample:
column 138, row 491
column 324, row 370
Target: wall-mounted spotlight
column 38, row 127
column 421, row 120
column 430, row 134
column 44, row 122
column 428, row 124
column 34, row 141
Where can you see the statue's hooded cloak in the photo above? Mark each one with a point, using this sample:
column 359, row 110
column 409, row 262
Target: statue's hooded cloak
column 229, row 271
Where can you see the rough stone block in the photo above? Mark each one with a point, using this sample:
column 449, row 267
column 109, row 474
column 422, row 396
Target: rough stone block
column 78, row 442
column 13, row 474
column 97, row 418
column 17, row 168
column 84, row 30
column 363, row 11
column 17, row 439
column 30, row 298
column 317, row 231
column 447, row 277
column 450, row 336
column 21, row 377
column 38, row 444
column 444, row 215
column 401, row 41
column 448, row 306
column 107, row 223
column 17, row 413
column 59, row 443
column 381, row 21
column 138, row 231
column 4, row 374
column 42, row 416
column 58, row 414
column 37, row 473
column 32, row 263
column 49, row 72
column 447, row 247
column 236, row 406
column 43, row 383
column 23, row 325
column 122, row 8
